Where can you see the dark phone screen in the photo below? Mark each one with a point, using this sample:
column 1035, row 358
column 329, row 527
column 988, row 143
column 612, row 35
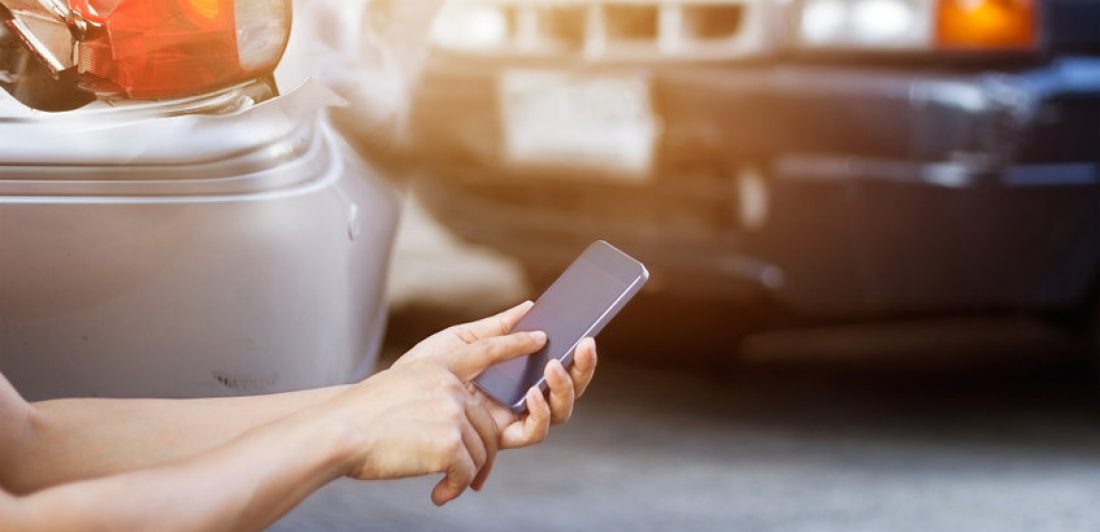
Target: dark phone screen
column 566, row 312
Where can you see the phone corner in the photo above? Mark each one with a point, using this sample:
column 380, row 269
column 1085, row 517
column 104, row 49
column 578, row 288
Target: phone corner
column 519, row 408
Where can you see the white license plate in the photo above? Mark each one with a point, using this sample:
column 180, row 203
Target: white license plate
column 602, row 123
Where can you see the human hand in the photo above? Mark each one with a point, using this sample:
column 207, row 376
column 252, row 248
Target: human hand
column 418, row 417
column 565, row 386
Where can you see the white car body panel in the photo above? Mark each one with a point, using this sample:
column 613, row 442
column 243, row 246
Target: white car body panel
column 144, row 252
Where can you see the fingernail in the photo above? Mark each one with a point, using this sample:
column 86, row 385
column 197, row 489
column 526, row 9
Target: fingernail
column 559, row 368
column 538, row 336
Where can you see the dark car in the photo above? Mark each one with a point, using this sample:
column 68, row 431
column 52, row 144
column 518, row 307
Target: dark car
column 841, row 158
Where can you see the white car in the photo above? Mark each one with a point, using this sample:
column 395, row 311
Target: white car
column 179, row 224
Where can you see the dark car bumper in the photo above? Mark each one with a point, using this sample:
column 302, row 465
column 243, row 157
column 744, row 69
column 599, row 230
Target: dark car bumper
column 881, row 189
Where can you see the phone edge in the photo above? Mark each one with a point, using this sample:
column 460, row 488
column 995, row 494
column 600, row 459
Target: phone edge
column 635, row 286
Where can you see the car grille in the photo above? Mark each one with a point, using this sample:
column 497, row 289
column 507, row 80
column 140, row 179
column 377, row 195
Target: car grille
column 638, row 29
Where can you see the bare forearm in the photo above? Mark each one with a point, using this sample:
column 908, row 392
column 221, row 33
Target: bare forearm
column 245, row 484
column 86, row 438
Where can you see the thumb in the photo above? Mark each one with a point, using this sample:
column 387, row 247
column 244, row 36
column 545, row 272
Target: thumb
column 471, row 361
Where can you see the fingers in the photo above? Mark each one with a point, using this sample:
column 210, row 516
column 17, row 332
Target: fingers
column 471, row 461
column 584, row 366
column 561, row 392
column 477, row 449
column 533, row 428
column 468, row 453
column 460, row 473
column 566, row 386
column 469, row 362
column 497, row 325
column 486, row 428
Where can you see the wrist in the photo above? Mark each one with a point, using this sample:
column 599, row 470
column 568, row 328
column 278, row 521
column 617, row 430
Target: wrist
column 337, row 435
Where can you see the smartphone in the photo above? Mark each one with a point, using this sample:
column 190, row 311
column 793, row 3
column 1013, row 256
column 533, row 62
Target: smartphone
column 578, row 305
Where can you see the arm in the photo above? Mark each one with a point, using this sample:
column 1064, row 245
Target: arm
column 47, row 443
column 76, row 439
column 244, row 484
column 414, row 419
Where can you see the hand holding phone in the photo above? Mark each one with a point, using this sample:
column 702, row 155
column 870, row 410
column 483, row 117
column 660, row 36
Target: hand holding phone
column 578, row 305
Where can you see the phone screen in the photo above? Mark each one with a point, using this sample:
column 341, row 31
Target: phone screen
column 573, row 307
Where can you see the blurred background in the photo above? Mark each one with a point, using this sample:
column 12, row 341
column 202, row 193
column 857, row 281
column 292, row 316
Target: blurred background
column 873, row 228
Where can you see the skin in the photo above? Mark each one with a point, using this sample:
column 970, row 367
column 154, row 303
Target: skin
column 241, row 463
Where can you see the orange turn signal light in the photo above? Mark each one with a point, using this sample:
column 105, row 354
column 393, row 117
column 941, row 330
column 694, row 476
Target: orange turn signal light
column 986, row 24
column 149, row 49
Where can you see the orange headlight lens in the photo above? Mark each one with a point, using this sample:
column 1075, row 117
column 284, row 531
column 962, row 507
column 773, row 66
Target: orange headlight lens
column 986, row 24
column 174, row 48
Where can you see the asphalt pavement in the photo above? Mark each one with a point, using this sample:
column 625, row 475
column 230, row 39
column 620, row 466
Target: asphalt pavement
column 971, row 425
